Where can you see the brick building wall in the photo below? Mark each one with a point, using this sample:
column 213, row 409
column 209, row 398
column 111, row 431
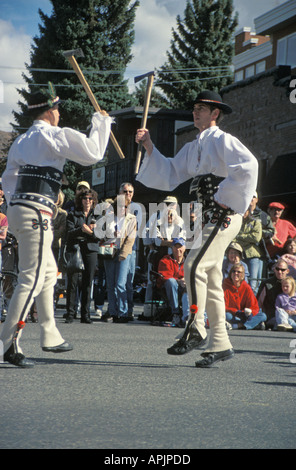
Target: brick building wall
column 263, row 117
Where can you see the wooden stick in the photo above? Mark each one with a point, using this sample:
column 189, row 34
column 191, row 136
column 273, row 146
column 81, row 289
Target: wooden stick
column 144, row 120
column 93, row 100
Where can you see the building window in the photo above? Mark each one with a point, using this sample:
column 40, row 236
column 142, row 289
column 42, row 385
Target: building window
column 286, row 51
column 250, row 71
column 239, row 75
column 260, row 66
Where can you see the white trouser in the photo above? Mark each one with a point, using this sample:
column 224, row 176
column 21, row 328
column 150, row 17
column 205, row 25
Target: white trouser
column 31, row 225
column 203, row 277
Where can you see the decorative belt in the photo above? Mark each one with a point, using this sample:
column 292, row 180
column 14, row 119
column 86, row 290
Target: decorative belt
column 34, row 198
column 205, row 187
column 40, row 180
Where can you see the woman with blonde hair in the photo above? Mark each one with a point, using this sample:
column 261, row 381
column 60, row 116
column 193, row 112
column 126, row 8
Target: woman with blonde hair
column 242, row 310
column 285, row 306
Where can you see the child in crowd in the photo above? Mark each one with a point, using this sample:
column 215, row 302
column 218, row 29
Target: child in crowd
column 286, row 306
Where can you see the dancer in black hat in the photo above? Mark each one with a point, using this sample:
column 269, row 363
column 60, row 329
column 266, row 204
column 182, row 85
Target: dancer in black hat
column 225, row 178
column 31, row 184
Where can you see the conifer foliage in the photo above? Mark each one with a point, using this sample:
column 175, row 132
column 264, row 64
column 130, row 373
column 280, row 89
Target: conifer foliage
column 200, row 53
column 103, row 29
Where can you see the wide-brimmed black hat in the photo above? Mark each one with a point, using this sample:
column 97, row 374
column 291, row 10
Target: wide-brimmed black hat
column 214, row 99
column 42, row 100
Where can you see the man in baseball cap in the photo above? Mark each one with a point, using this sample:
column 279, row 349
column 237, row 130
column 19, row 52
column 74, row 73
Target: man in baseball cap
column 171, row 268
column 283, row 229
column 82, row 184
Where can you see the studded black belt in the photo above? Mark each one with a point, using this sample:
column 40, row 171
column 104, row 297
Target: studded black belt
column 33, row 198
column 45, row 181
column 205, row 187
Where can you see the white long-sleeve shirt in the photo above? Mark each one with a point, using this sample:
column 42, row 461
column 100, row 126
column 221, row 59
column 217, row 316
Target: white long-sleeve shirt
column 46, row 145
column 213, row 151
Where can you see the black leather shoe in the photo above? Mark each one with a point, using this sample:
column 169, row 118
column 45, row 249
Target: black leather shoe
column 17, row 359
column 64, row 347
column 187, row 343
column 69, row 319
column 86, row 320
column 209, row 359
column 123, row 319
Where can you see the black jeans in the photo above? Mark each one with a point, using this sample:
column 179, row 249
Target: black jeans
column 90, row 262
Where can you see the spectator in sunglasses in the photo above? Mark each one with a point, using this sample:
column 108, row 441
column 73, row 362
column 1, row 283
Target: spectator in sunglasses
column 269, row 289
column 242, row 310
column 80, row 226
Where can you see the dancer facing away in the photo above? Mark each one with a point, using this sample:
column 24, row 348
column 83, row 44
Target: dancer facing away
column 31, row 183
column 225, row 177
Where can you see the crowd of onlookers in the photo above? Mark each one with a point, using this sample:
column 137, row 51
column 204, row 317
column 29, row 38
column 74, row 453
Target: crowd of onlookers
column 258, row 272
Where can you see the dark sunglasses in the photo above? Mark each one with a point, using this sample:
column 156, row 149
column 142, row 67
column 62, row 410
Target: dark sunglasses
column 127, row 191
column 281, row 269
column 88, row 198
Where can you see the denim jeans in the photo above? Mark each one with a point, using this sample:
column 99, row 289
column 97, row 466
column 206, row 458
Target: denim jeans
column 251, row 322
column 255, row 266
column 116, row 276
column 173, row 290
column 130, row 281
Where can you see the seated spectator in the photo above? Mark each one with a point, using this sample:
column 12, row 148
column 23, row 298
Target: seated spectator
column 289, row 255
column 171, row 268
column 283, row 229
column 161, row 228
column 234, row 255
column 242, row 310
column 249, row 238
column 285, row 306
column 166, row 225
column 269, row 289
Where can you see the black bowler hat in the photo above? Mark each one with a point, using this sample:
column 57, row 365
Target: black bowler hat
column 42, row 100
column 214, row 99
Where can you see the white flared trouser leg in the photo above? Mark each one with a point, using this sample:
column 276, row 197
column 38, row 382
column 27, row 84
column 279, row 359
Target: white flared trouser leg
column 37, row 274
column 203, row 277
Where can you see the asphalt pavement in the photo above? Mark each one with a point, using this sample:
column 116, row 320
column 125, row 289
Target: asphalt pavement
column 119, row 390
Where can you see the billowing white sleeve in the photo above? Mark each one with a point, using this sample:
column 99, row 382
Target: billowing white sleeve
column 81, row 149
column 163, row 173
column 239, row 186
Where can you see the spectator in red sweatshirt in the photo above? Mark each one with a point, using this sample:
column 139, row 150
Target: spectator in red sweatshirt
column 242, row 310
column 171, row 268
column 283, row 229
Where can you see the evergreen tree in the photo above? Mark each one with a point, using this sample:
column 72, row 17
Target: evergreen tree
column 201, row 52
column 103, row 29
column 157, row 100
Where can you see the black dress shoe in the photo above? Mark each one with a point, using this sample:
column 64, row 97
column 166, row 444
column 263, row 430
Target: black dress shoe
column 122, row 319
column 17, row 359
column 64, row 347
column 209, row 359
column 187, row 343
column 86, row 320
column 69, row 319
